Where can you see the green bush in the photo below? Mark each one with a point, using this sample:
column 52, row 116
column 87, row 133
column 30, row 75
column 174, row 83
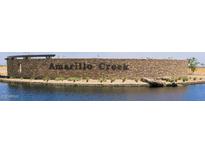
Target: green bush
column 184, row 79
column 170, row 80
column 192, row 64
column 74, row 79
column 46, row 78
column 59, row 78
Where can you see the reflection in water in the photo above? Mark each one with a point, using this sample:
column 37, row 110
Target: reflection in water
column 47, row 92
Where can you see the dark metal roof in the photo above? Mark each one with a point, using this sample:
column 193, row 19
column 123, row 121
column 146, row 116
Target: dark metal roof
column 29, row 56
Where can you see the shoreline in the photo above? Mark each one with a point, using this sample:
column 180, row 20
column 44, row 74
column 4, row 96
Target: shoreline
column 96, row 83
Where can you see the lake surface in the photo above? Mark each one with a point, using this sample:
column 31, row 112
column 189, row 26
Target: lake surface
column 26, row 92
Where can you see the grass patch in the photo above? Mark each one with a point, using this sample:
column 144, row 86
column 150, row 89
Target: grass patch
column 74, row 79
column 45, row 78
column 59, row 78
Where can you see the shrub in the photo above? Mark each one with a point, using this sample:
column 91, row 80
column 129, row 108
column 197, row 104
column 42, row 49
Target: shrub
column 112, row 80
column 60, row 79
column 87, row 79
column 184, row 79
column 136, row 80
column 200, row 79
column 46, row 78
column 170, row 80
column 192, row 63
column 194, row 78
column 102, row 80
column 176, row 80
column 74, row 79
column 124, row 79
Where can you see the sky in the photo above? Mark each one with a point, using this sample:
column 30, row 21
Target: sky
column 156, row 55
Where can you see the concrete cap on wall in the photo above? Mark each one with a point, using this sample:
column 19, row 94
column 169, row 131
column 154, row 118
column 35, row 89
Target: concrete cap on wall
column 29, row 56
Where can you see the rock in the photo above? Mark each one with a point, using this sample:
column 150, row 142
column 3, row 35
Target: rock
column 173, row 84
column 165, row 78
column 153, row 83
column 180, row 85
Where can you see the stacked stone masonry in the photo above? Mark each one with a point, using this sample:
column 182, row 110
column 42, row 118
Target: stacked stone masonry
column 96, row 68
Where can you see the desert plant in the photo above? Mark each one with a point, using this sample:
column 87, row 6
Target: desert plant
column 112, row 80
column 200, row 78
column 136, row 80
column 192, row 63
column 102, row 80
column 170, row 80
column 184, row 79
column 46, row 78
column 194, row 78
column 74, row 79
column 87, row 79
column 59, row 78
column 124, row 79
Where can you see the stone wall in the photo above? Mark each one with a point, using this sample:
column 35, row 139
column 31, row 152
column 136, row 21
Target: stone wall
column 95, row 68
column 3, row 70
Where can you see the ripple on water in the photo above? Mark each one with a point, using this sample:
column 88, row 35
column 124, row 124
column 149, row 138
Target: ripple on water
column 27, row 92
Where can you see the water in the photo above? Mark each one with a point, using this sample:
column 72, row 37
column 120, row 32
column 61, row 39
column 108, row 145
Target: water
column 26, row 92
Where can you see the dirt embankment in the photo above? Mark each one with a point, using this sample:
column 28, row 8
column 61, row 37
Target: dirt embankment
column 199, row 71
column 3, row 70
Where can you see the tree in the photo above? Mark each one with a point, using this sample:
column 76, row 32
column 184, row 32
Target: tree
column 192, row 63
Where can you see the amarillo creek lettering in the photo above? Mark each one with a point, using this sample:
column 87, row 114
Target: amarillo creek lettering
column 87, row 66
